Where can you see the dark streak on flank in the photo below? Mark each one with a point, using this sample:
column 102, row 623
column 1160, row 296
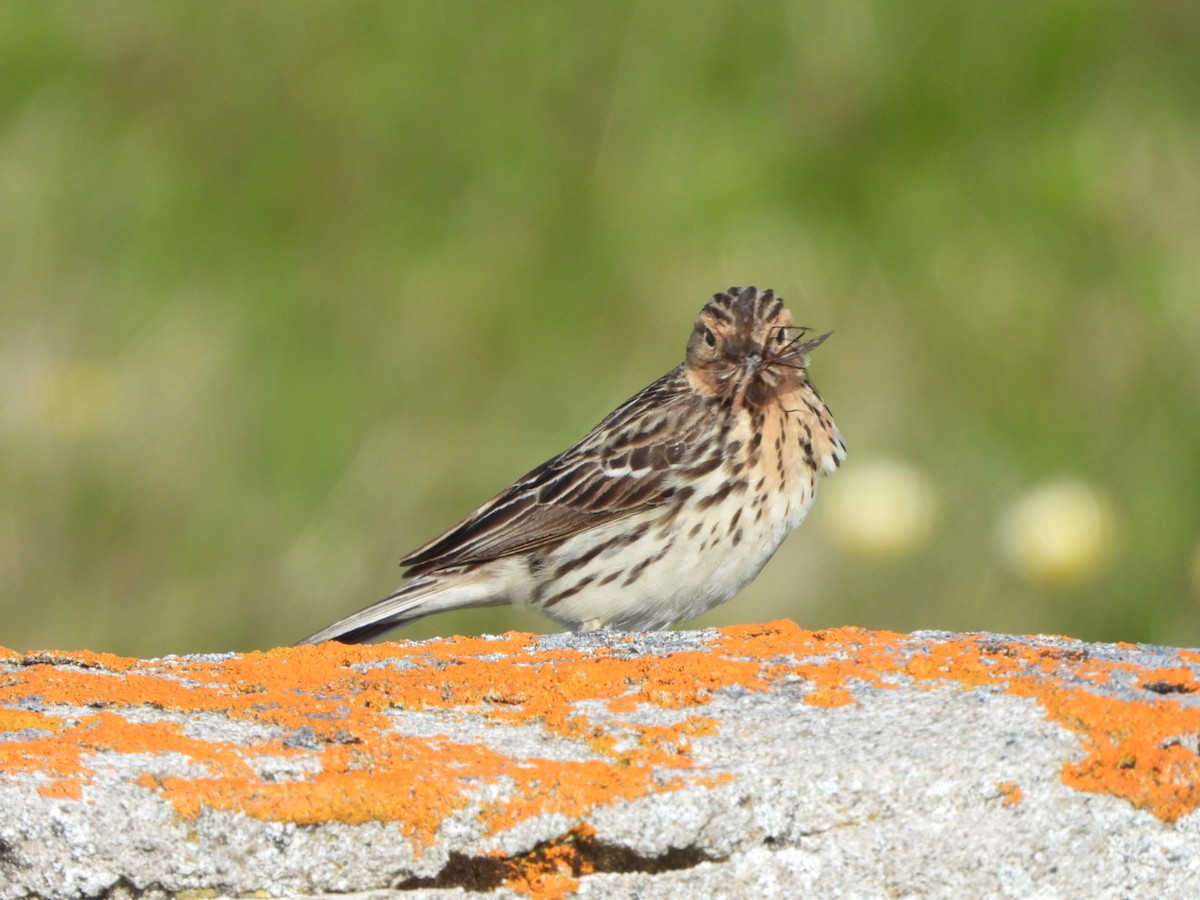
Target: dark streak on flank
column 568, row 592
column 721, row 493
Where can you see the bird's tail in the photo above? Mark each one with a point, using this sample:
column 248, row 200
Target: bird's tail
column 413, row 600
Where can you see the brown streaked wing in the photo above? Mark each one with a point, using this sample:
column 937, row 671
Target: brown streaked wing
column 655, row 434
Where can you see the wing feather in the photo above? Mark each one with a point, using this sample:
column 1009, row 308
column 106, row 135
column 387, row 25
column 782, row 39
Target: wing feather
column 629, row 462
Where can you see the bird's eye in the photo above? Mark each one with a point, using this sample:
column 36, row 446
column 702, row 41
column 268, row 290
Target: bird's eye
column 709, row 337
column 781, row 335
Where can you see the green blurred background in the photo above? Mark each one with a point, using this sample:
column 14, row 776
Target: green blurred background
column 287, row 288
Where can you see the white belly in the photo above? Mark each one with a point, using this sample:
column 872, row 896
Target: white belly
column 672, row 572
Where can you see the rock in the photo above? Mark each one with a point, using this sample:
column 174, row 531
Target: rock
column 757, row 761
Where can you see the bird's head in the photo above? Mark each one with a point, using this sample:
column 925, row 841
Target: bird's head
column 744, row 340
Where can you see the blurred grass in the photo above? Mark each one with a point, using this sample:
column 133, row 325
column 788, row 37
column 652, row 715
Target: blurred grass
column 287, row 288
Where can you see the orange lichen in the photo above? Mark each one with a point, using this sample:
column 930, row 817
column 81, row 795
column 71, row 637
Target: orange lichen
column 329, row 710
column 1134, row 747
column 1010, row 793
column 1143, row 750
column 23, row 719
column 63, row 788
column 1134, row 750
column 552, row 870
column 829, row 697
column 50, row 754
column 367, row 772
column 1175, row 680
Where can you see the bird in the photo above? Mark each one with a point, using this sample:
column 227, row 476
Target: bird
column 667, row 508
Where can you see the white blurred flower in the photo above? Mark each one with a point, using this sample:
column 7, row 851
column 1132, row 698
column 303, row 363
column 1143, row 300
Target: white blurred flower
column 1060, row 534
column 884, row 508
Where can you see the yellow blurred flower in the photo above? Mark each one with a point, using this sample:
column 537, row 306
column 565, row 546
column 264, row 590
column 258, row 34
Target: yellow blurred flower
column 1060, row 534
column 883, row 508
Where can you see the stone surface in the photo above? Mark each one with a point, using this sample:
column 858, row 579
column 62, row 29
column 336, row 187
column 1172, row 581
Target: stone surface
column 758, row 761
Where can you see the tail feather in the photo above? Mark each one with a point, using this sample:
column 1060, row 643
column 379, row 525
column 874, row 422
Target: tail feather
column 413, row 600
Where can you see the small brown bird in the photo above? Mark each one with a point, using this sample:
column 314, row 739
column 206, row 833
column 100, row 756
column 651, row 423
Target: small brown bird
column 665, row 509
